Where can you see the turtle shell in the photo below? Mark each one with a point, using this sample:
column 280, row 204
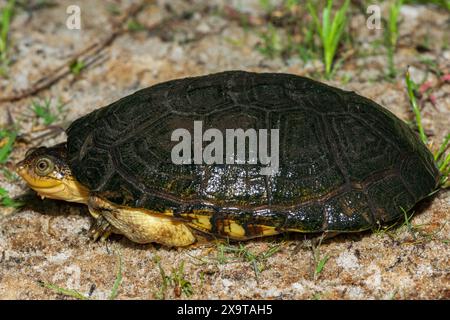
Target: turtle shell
column 345, row 162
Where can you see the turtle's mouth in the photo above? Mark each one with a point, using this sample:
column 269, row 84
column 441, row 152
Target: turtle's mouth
column 46, row 172
column 64, row 189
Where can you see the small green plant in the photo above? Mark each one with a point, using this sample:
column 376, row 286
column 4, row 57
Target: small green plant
column 392, row 295
column 380, row 230
column 7, row 138
column 443, row 161
column 411, row 86
column 44, row 110
column 417, row 231
column 307, row 49
column 271, row 45
column 161, row 293
column 316, row 296
column 118, row 280
column 7, row 201
column 76, row 67
column 63, row 291
column 290, row 4
column 176, row 279
column 181, row 285
column 257, row 260
column 330, row 30
column 5, row 22
column 440, row 3
column 134, row 26
column 266, row 5
column 320, row 265
column 318, row 260
column 391, row 36
column 79, row 296
column 113, row 9
column 440, row 156
column 407, row 222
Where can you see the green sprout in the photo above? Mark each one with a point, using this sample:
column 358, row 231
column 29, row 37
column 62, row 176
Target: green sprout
column 113, row 9
column 266, row 5
column 307, row 49
column 179, row 282
column 391, row 36
column 316, row 296
column 330, row 30
column 135, row 26
column 76, row 67
column 118, row 280
column 7, row 138
column 176, row 279
column 7, row 201
column 44, row 111
column 257, row 260
column 271, row 45
column 410, row 85
column 440, row 156
column 161, row 294
column 443, row 162
column 316, row 257
column 320, row 265
column 417, row 231
column 63, row 291
column 290, row 4
column 5, row 23
column 440, row 3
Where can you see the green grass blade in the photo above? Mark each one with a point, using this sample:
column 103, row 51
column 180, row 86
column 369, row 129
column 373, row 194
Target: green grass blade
column 415, row 107
column 330, row 30
column 321, row 264
column 444, row 167
column 118, row 281
column 9, row 136
column 4, row 30
column 312, row 11
column 445, row 144
column 7, row 201
column 67, row 292
column 391, row 36
column 326, row 22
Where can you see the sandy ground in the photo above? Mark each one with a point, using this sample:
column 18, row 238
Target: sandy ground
column 47, row 241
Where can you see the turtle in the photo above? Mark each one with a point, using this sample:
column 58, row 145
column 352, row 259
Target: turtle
column 345, row 163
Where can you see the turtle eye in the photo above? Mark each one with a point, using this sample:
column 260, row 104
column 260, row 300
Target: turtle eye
column 43, row 166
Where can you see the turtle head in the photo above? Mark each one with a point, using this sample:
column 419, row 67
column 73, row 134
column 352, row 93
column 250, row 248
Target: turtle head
column 47, row 171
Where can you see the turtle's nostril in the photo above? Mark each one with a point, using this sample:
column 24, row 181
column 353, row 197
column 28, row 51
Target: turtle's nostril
column 20, row 167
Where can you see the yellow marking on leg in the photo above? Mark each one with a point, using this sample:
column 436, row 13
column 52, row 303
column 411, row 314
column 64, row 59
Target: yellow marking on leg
column 268, row 230
column 199, row 219
column 234, row 230
column 260, row 230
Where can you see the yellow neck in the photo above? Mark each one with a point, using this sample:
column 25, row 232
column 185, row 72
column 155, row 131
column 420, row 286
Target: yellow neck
column 69, row 190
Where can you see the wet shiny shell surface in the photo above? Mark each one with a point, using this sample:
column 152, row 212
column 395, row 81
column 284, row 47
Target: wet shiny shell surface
column 345, row 163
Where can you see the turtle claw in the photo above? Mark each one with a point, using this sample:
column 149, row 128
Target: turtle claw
column 100, row 229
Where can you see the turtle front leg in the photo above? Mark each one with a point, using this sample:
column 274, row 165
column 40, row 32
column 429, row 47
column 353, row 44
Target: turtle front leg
column 101, row 228
column 138, row 224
